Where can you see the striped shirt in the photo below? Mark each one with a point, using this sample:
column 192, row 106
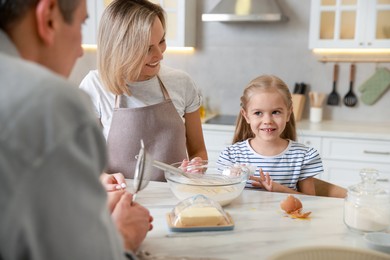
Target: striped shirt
column 297, row 162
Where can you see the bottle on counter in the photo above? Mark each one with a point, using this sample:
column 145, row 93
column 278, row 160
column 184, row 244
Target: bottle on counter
column 202, row 112
column 204, row 108
column 367, row 205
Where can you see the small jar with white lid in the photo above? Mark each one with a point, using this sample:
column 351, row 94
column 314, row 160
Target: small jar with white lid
column 367, row 205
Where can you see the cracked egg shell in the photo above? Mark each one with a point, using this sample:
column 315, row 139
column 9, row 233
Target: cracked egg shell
column 290, row 204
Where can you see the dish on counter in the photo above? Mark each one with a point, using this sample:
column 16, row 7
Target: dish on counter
column 223, row 227
column 199, row 213
column 378, row 241
column 329, row 252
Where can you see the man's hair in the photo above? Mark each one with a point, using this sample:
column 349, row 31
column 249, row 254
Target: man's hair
column 13, row 10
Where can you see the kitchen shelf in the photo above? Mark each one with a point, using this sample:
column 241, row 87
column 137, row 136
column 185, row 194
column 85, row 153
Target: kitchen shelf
column 325, row 59
column 352, row 55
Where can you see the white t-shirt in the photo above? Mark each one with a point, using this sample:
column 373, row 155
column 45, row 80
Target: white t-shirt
column 181, row 88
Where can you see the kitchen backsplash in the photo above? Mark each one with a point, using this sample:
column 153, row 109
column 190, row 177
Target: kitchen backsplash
column 228, row 56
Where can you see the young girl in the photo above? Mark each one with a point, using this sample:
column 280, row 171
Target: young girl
column 265, row 137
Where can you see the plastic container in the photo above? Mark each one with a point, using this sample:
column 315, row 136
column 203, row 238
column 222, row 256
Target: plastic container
column 367, row 205
column 199, row 213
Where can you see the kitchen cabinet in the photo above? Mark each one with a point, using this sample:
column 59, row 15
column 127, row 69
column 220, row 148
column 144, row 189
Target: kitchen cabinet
column 343, row 159
column 95, row 9
column 217, row 138
column 181, row 21
column 311, row 141
column 349, row 24
column 89, row 27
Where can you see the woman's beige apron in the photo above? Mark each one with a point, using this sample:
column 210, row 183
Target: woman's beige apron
column 159, row 125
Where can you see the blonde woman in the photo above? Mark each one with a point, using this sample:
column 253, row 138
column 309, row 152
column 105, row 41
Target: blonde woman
column 136, row 97
column 265, row 137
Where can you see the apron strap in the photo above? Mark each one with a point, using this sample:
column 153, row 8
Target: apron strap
column 163, row 90
column 117, row 101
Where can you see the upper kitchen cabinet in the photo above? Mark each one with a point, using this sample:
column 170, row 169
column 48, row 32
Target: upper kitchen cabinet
column 350, row 24
column 90, row 28
column 181, row 21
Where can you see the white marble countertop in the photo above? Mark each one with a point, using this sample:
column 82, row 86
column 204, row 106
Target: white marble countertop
column 330, row 128
column 261, row 228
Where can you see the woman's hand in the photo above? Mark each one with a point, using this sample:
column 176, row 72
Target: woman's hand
column 193, row 166
column 113, row 182
column 194, row 161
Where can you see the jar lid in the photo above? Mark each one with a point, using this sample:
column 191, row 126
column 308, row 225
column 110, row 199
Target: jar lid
column 368, row 187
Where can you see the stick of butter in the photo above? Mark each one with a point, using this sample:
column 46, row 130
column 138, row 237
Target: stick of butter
column 202, row 216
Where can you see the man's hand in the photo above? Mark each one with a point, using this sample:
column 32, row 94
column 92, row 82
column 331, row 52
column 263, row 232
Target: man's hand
column 132, row 220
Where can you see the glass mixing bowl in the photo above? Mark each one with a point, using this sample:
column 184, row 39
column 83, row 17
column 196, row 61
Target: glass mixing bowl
column 221, row 183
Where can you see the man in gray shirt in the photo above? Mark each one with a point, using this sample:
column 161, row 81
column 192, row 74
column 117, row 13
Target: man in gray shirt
column 52, row 204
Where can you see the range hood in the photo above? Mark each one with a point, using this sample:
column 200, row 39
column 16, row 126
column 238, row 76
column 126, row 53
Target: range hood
column 245, row 11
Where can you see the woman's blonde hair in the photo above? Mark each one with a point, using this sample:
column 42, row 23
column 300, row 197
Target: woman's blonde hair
column 265, row 82
column 123, row 41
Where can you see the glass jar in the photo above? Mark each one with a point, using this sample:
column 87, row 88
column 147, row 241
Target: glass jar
column 367, row 205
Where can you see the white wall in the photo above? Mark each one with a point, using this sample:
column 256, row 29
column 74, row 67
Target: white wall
column 228, row 56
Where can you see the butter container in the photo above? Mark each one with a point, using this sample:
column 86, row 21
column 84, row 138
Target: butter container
column 199, row 213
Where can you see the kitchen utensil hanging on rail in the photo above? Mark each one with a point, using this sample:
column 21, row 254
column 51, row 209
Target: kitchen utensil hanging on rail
column 350, row 98
column 334, row 97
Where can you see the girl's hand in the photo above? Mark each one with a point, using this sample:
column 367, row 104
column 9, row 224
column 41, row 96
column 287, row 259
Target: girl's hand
column 264, row 181
column 113, row 182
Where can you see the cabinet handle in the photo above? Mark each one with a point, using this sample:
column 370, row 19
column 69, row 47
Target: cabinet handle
column 383, row 180
column 375, row 152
